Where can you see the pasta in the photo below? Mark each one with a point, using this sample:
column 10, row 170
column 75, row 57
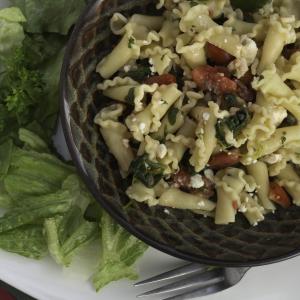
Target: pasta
column 207, row 112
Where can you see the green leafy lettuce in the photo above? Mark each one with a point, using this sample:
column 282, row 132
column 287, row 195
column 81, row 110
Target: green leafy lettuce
column 11, row 30
column 27, row 241
column 47, row 207
column 120, row 250
column 50, row 15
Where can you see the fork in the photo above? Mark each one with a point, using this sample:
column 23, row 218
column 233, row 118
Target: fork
column 195, row 280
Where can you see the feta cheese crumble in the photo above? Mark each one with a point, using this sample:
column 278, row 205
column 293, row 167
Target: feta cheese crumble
column 196, row 181
column 142, row 127
column 162, row 151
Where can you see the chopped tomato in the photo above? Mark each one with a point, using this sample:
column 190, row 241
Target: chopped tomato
column 278, row 195
column 224, row 159
column 247, row 78
column 217, row 55
column 235, row 205
column 161, row 79
column 182, row 179
column 211, row 79
column 245, row 92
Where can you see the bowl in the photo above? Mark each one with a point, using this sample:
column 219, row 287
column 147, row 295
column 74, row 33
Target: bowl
column 180, row 233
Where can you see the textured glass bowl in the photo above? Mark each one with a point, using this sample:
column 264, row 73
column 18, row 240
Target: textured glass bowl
column 180, row 233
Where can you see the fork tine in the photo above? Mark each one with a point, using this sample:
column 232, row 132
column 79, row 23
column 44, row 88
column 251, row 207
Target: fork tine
column 175, row 273
column 215, row 288
column 195, row 281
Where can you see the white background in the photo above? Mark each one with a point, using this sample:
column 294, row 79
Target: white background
column 45, row 280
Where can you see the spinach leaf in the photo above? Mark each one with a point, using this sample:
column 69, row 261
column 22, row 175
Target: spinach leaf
column 172, row 114
column 237, row 122
column 140, row 72
column 234, row 123
column 230, row 101
column 147, row 171
column 130, row 96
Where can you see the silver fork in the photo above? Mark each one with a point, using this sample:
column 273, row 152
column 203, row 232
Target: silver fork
column 195, row 281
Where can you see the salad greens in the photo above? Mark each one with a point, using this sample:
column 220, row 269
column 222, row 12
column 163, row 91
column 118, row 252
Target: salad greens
column 47, row 208
column 118, row 254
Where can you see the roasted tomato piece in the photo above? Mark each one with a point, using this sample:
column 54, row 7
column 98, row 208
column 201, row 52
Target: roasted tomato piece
column 278, row 195
column 211, row 79
column 161, row 79
column 217, row 55
column 224, row 159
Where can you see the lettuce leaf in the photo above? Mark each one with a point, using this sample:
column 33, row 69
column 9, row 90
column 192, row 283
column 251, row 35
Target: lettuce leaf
column 11, row 30
column 27, row 241
column 32, row 173
column 32, row 141
column 50, row 15
column 29, row 214
column 120, row 250
column 6, row 150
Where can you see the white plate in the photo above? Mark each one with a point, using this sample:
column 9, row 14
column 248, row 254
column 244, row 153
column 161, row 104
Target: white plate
column 45, row 280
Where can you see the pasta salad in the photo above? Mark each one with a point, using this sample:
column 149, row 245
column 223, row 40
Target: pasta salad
column 207, row 107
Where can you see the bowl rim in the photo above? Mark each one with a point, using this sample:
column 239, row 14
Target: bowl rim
column 75, row 155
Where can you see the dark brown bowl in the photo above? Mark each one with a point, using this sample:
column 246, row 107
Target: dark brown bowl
column 180, row 233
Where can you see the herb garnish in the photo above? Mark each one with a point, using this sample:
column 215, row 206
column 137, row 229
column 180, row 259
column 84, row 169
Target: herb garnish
column 131, row 42
column 147, row 171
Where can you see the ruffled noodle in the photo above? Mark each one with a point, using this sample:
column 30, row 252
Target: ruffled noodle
column 271, row 84
column 222, row 37
column 251, row 209
column 206, row 140
column 114, row 133
column 120, row 55
column 291, row 104
column 286, row 155
column 176, row 198
column 290, row 180
column 293, row 72
column 140, row 193
column 148, row 120
column 169, row 31
column 192, row 52
column 162, row 100
column 177, row 145
column 263, row 124
column 118, row 23
column 230, row 183
column 162, row 59
column 280, row 33
column 216, row 111
column 196, row 19
column 118, row 89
